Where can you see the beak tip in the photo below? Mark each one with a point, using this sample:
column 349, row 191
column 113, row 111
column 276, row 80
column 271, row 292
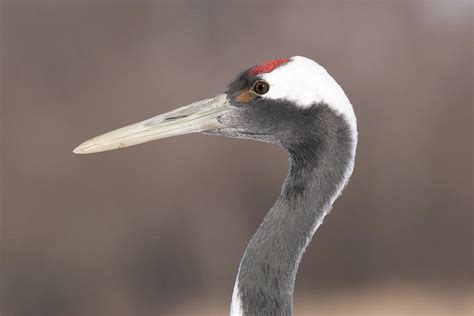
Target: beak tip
column 78, row 150
column 91, row 147
column 84, row 148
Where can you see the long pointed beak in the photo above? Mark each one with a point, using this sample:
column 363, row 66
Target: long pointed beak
column 197, row 117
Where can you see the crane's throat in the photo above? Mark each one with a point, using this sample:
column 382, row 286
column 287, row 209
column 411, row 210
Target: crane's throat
column 319, row 170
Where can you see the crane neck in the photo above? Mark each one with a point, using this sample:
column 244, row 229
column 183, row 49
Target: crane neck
column 320, row 167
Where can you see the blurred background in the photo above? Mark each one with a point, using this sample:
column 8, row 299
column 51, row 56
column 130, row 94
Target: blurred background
column 159, row 229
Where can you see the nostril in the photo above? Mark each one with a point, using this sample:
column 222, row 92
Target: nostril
column 172, row 118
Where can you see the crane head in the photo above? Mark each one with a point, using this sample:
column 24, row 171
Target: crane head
column 283, row 101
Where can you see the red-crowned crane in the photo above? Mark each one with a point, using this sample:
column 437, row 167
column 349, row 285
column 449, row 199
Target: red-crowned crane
column 293, row 103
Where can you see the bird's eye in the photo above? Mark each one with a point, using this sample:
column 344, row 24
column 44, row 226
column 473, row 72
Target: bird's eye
column 261, row 87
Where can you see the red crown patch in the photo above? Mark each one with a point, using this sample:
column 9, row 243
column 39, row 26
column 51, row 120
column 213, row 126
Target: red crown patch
column 266, row 66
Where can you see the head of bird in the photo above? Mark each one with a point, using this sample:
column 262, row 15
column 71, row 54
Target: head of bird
column 284, row 101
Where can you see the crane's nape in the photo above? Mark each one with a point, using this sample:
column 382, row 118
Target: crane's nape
column 297, row 105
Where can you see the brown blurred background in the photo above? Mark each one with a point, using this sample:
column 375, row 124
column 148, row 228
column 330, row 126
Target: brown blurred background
column 159, row 229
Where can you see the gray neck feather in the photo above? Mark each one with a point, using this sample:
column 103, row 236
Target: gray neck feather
column 319, row 169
